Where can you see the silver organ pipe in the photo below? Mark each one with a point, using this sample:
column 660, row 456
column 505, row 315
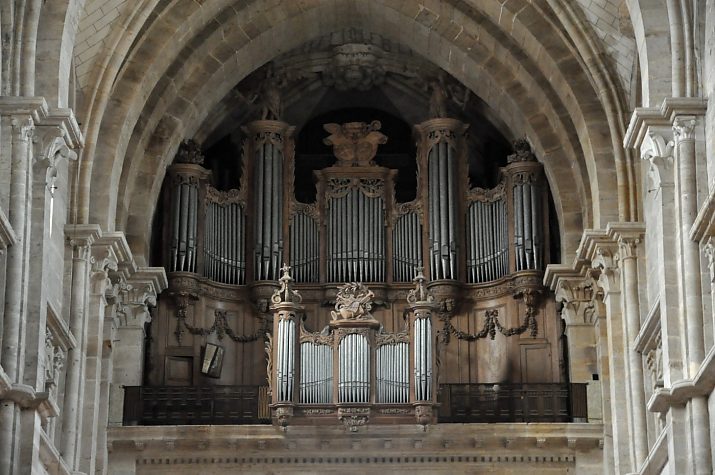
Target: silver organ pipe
column 442, row 210
column 407, row 245
column 528, row 223
column 356, row 234
column 224, row 237
column 354, row 377
column 392, row 376
column 305, row 245
column 285, row 364
column 422, row 348
column 316, row 383
column 267, row 138
column 487, row 238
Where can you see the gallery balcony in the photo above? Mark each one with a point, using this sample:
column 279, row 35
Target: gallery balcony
column 458, row 403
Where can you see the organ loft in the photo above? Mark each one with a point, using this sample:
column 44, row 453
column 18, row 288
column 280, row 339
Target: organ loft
column 350, row 288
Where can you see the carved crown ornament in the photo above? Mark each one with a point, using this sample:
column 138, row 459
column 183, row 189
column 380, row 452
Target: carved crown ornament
column 355, row 143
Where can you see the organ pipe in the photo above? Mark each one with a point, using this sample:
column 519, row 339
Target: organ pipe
column 525, row 178
column 185, row 179
column 487, row 237
column 269, row 142
column 441, row 150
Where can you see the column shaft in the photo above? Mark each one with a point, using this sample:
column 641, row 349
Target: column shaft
column 691, row 298
column 635, row 361
column 11, row 353
column 71, row 413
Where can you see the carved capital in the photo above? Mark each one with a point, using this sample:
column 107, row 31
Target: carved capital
column 23, row 128
column 579, row 298
column 139, row 293
column 684, row 128
column 658, row 150
column 627, row 247
column 80, row 237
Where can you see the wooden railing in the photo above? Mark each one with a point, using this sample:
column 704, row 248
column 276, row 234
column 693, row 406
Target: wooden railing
column 465, row 403
column 210, row 405
column 529, row 402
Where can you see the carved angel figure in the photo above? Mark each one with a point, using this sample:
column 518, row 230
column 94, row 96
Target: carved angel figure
column 270, row 96
column 353, row 302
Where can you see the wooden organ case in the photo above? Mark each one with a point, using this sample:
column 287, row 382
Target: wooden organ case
column 355, row 308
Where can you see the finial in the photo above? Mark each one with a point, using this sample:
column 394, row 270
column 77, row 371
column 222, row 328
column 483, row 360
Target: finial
column 286, row 293
column 420, row 292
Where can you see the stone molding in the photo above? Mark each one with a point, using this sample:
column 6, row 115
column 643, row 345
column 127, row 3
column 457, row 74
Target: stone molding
column 442, row 444
column 644, row 118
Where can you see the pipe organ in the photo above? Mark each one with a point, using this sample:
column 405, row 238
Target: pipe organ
column 389, row 340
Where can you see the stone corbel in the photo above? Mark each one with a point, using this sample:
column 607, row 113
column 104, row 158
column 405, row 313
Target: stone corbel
column 657, row 149
column 605, row 262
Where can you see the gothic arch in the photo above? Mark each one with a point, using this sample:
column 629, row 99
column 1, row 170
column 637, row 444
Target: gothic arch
column 496, row 54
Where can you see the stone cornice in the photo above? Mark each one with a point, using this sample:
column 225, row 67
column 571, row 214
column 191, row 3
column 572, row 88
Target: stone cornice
column 540, row 441
column 644, row 118
column 35, row 107
column 680, row 392
column 27, row 398
column 87, row 234
column 7, row 234
column 155, row 277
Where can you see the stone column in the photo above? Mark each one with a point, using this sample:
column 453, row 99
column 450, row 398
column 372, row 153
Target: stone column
column 692, row 298
column 20, row 126
column 627, row 242
column 136, row 295
column 609, row 281
column 80, row 238
column 106, row 253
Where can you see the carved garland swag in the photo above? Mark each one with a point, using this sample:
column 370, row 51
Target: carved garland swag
column 491, row 326
column 220, row 326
